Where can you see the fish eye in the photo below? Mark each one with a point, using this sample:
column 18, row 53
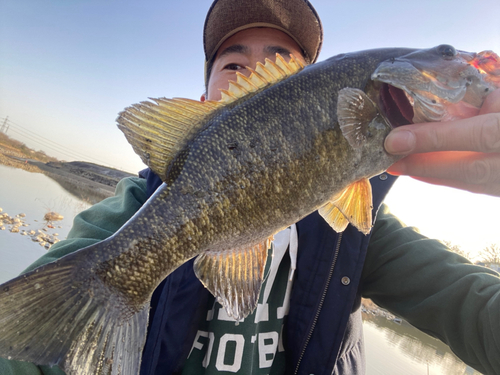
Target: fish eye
column 447, row 51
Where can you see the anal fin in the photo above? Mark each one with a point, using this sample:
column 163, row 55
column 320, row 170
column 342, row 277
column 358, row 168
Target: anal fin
column 234, row 277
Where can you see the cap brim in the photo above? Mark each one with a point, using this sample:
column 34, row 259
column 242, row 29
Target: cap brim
column 297, row 18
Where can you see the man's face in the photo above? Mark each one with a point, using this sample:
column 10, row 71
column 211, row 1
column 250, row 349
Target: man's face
column 246, row 48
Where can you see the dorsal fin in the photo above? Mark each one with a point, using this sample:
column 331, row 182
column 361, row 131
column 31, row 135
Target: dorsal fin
column 159, row 131
column 262, row 76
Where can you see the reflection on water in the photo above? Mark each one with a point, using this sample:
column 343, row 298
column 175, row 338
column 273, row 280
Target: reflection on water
column 33, row 194
column 407, row 350
column 80, row 191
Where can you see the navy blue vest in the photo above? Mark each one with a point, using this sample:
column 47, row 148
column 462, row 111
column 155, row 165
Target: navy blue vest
column 323, row 331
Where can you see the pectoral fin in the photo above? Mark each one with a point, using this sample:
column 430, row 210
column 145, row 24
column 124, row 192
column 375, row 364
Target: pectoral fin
column 355, row 204
column 234, row 277
column 356, row 112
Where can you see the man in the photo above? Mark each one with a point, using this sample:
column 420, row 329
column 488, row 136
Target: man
column 310, row 321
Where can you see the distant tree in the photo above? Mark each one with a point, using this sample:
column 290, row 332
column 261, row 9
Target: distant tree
column 24, row 149
column 491, row 254
column 457, row 249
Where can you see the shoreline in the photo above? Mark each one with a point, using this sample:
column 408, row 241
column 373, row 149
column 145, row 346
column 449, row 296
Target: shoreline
column 78, row 178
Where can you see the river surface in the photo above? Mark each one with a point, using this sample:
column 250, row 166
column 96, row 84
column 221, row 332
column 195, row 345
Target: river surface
column 391, row 348
column 32, row 194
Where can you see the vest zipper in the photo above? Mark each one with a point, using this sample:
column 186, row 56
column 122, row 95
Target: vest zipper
column 337, row 249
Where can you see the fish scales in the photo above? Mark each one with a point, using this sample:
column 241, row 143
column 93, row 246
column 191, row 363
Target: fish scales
column 242, row 171
column 228, row 196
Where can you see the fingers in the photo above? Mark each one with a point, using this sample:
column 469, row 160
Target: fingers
column 474, row 161
column 491, row 103
column 478, row 133
column 476, row 172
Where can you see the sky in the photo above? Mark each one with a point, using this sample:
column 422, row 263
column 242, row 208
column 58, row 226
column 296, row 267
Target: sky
column 67, row 68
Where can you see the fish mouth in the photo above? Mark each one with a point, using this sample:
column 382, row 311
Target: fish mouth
column 438, row 84
column 395, row 105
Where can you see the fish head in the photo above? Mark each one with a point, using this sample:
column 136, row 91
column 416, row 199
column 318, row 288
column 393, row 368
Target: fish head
column 436, row 84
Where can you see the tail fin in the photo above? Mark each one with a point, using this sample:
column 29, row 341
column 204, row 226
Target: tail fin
column 61, row 313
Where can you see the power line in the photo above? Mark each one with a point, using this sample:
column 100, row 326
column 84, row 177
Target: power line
column 48, row 146
column 27, row 133
column 56, row 147
column 55, row 144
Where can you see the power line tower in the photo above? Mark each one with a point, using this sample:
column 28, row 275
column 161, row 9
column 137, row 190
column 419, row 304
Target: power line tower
column 4, row 128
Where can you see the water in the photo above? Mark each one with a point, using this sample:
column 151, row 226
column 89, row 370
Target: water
column 396, row 349
column 33, row 194
column 391, row 349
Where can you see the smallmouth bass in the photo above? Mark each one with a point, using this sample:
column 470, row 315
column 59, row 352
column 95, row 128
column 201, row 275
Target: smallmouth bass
column 282, row 143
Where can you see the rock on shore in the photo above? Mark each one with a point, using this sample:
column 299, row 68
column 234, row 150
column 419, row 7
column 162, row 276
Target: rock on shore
column 15, row 223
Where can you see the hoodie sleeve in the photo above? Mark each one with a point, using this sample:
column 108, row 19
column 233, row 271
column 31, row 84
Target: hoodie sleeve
column 435, row 290
column 89, row 227
column 100, row 221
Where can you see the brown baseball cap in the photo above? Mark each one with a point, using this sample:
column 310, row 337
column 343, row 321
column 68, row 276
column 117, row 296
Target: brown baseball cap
column 297, row 18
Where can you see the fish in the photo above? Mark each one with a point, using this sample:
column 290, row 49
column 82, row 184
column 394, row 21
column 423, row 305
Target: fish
column 282, row 143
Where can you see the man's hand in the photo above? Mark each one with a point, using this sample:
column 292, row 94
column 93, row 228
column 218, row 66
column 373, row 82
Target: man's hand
column 474, row 161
